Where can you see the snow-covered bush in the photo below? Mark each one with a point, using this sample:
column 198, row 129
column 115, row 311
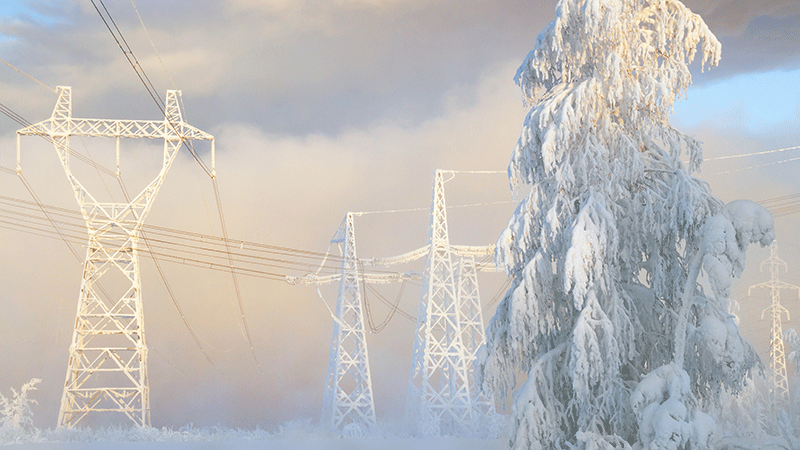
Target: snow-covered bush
column 745, row 414
column 606, row 248
column 793, row 357
column 662, row 402
column 16, row 417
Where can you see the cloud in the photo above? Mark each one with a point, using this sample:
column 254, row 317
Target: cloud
column 308, row 67
column 297, row 67
column 732, row 17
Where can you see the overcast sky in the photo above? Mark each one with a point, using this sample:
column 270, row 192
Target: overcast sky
column 319, row 108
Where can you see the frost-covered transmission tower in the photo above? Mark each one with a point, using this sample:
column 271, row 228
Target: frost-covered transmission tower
column 348, row 406
column 780, row 384
column 348, row 400
column 107, row 369
column 442, row 396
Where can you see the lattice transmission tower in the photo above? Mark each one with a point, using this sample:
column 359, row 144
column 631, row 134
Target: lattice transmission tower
column 107, row 369
column 442, row 393
column 348, row 405
column 779, row 391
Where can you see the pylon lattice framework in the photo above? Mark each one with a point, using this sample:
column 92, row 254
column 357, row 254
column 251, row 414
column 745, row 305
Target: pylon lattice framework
column 107, row 369
column 348, row 401
column 442, row 393
column 779, row 391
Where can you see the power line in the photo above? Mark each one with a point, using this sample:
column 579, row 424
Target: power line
column 757, row 166
column 154, row 46
column 174, row 244
column 25, row 74
column 745, row 155
column 233, row 274
column 134, row 63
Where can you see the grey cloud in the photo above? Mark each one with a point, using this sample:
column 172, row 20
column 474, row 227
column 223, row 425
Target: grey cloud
column 732, row 17
column 302, row 67
column 316, row 69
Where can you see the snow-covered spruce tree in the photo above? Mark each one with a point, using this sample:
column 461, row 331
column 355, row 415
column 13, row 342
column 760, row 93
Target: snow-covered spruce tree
column 606, row 248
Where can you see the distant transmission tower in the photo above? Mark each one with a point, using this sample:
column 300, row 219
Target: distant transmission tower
column 439, row 398
column 780, row 384
column 348, row 403
column 107, row 370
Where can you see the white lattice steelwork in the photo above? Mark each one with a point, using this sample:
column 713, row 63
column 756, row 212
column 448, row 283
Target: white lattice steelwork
column 107, row 369
column 473, row 333
column 779, row 391
column 348, row 404
column 438, row 391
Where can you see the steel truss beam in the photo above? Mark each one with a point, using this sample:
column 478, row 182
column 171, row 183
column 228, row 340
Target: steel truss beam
column 107, row 369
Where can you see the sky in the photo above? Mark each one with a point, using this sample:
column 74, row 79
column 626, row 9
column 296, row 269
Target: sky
column 319, row 108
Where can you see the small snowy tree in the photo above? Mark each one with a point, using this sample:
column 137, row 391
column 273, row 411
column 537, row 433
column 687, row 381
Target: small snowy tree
column 605, row 316
column 16, row 417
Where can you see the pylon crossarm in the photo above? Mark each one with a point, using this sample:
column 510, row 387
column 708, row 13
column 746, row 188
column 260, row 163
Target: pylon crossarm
column 471, row 250
column 390, row 277
column 314, row 279
column 776, row 309
column 124, row 129
column 399, row 259
column 782, row 285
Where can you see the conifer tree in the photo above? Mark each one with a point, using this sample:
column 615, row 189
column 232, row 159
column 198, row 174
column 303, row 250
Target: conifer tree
column 606, row 248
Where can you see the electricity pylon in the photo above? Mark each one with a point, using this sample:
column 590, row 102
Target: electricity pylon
column 348, row 406
column 348, row 403
column 107, row 369
column 439, row 389
column 779, row 392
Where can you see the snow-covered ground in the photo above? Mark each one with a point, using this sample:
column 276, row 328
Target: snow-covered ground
column 293, row 440
column 287, row 438
column 309, row 443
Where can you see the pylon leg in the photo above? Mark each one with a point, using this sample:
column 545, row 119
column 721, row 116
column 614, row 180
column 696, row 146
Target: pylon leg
column 107, row 368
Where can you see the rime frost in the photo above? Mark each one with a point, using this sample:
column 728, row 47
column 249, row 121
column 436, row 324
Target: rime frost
column 607, row 246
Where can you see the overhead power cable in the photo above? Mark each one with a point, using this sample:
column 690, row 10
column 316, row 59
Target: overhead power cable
column 152, row 44
column 25, row 74
column 233, row 274
column 758, row 166
column 170, row 242
column 137, row 67
column 746, row 155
